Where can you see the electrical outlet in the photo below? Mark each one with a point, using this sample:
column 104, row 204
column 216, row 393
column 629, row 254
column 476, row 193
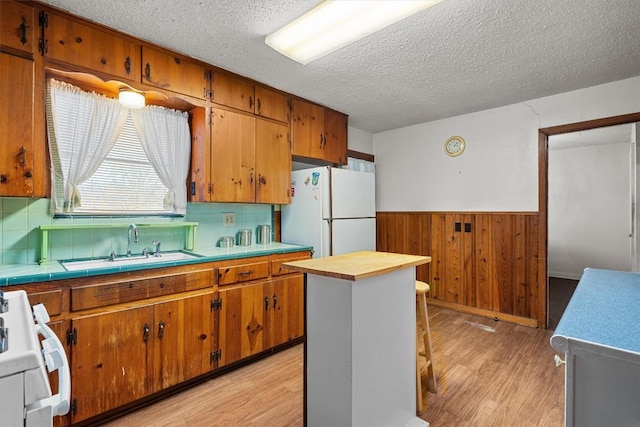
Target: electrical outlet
column 228, row 219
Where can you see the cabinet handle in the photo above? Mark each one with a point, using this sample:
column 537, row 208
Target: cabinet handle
column 245, row 273
column 275, row 301
column 145, row 333
column 22, row 156
column 262, row 180
column 23, row 33
column 320, row 140
column 259, row 105
column 160, row 330
column 250, row 102
column 147, row 71
column 3, row 179
column 251, row 178
column 127, row 65
column 266, row 303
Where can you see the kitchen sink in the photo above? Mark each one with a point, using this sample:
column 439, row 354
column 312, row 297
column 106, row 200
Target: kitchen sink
column 91, row 264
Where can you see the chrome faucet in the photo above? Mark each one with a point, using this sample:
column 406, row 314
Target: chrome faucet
column 133, row 228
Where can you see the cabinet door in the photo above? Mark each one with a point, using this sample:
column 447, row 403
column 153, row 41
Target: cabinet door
column 173, row 73
column 233, row 92
column 335, row 133
column 200, row 172
column 242, row 322
column 307, row 130
column 184, row 339
column 16, row 26
column 273, row 163
column 271, row 104
column 286, row 311
column 232, row 156
column 85, row 46
column 18, row 149
column 111, row 359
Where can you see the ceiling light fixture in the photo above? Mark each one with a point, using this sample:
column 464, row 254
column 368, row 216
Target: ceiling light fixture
column 131, row 98
column 334, row 24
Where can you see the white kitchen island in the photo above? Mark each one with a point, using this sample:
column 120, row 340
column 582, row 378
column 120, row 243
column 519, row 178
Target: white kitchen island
column 360, row 346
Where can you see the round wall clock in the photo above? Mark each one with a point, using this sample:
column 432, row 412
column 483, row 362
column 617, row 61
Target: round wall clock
column 454, row 146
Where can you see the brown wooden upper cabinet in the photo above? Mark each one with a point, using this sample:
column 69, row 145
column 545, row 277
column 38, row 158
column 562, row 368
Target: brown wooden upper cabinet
column 318, row 133
column 82, row 45
column 335, row 134
column 17, row 29
column 174, row 73
column 248, row 160
column 243, row 94
column 21, row 142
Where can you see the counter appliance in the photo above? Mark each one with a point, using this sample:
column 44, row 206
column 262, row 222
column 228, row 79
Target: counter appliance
column 25, row 394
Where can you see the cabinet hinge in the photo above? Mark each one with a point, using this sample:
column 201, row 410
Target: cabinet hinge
column 208, row 93
column 72, row 337
column 193, row 188
column 210, row 188
column 290, row 104
column 208, row 75
column 211, row 117
column 43, row 46
column 43, row 19
column 216, row 304
column 73, row 407
column 215, row 356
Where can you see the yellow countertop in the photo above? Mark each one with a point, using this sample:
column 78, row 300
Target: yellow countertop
column 357, row 265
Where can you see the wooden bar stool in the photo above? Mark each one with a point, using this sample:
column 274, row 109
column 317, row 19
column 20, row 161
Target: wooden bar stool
column 422, row 289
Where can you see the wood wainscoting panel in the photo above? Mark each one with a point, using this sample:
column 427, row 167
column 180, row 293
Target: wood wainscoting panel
column 483, row 261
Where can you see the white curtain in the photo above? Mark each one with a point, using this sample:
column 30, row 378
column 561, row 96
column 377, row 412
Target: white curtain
column 83, row 127
column 166, row 140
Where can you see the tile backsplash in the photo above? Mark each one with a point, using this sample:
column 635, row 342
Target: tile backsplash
column 20, row 238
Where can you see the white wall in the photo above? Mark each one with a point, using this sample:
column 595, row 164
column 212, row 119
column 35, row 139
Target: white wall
column 499, row 169
column 360, row 140
column 589, row 209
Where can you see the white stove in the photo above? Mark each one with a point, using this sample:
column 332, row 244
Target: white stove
column 25, row 394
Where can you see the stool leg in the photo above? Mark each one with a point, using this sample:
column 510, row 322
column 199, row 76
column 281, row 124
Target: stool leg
column 419, row 404
column 424, row 318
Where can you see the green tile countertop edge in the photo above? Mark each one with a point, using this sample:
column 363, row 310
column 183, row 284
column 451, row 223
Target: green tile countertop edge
column 21, row 274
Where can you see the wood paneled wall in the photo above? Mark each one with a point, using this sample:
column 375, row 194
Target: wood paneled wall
column 484, row 263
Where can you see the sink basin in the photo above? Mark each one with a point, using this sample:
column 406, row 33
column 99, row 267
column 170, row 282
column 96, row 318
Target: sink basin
column 74, row 265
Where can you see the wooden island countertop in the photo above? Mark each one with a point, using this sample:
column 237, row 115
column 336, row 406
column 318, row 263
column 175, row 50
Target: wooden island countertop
column 357, row 265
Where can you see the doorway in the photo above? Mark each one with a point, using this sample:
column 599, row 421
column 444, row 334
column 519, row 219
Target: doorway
column 589, row 207
column 543, row 189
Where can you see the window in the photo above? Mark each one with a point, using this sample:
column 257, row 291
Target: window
column 107, row 159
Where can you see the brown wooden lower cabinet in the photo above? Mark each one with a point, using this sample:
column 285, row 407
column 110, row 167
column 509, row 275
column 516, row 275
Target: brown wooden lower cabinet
column 259, row 315
column 486, row 263
column 111, row 360
column 130, row 335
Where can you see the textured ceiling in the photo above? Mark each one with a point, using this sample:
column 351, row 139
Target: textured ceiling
column 457, row 57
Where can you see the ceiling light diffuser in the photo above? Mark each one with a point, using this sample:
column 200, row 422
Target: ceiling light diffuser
column 334, row 24
column 131, row 99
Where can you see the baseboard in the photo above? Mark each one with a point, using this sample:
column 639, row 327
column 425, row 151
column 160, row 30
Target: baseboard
column 564, row 275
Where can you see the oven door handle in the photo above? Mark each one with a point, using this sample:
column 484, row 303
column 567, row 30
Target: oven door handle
column 56, row 359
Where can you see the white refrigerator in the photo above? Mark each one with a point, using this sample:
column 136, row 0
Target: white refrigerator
column 333, row 210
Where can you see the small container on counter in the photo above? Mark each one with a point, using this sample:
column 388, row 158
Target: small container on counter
column 244, row 237
column 226, row 242
column 264, row 235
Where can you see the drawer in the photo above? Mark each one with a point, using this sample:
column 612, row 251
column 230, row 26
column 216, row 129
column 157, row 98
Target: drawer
column 243, row 272
column 103, row 294
column 52, row 300
column 276, row 266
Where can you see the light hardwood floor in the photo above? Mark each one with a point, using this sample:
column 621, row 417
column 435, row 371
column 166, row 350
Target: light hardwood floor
column 489, row 374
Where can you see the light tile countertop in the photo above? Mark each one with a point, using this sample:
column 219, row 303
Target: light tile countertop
column 17, row 274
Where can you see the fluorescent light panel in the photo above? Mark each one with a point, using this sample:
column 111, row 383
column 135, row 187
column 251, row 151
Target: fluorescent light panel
column 334, row 24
